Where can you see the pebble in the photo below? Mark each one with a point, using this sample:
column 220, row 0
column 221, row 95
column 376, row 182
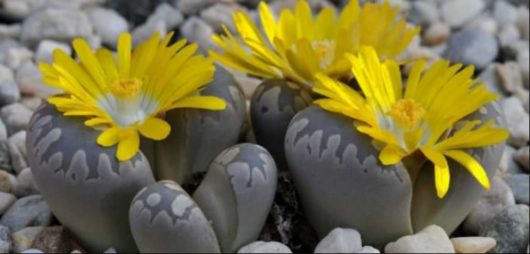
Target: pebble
column 16, row 117
column 509, row 35
column 265, row 247
column 16, row 56
column 517, row 121
column 424, row 13
column 492, row 201
column 508, row 163
column 29, row 80
column 504, row 13
column 458, row 12
column 108, row 24
column 520, row 185
column 46, row 47
column 369, row 249
column 490, row 78
column 6, row 74
column 429, row 240
column 27, row 211
column 143, row 32
column 32, row 103
column 190, row 7
column 6, row 244
column 33, row 250
column 471, row 47
column 55, row 24
column 24, row 238
column 522, row 22
column 340, row 240
column 54, row 239
column 7, row 181
column 25, row 185
column 522, row 157
column 6, row 200
column 473, row 244
column 196, row 30
column 5, row 158
column 510, row 77
column 523, row 58
column 510, row 229
column 219, row 14
column 3, row 132
column 436, row 33
column 166, row 13
column 484, row 23
column 9, row 93
column 17, row 151
column 10, row 31
column 248, row 84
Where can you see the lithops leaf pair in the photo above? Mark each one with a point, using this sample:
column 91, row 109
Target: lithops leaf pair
column 227, row 211
column 389, row 161
column 86, row 145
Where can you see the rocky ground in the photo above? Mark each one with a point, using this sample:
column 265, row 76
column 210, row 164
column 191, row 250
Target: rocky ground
column 493, row 35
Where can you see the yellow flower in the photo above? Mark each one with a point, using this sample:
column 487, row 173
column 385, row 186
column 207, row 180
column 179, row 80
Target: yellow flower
column 421, row 117
column 124, row 95
column 298, row 45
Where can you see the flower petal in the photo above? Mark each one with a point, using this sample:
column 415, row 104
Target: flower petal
column 155, row 128
column 109, row 137
column 391, row 155
column 441, row 170
column 128, row 146
column 474, row 168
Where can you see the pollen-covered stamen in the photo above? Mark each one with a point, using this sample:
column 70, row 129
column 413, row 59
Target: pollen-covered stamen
column 407, row 113
column 126, row 88
column 325, row 52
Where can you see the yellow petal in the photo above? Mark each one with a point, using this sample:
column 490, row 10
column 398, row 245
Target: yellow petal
column 128, row 146
column 200, row 102
column 155, row 128
column 441, row 170
column 109, row 137
column 124, row 54
column 474, row 168
column 391, row 155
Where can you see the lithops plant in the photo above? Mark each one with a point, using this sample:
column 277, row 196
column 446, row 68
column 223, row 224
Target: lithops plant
column 84, row 145
column 298, row 45
column 235, row 195
column 86, row 186
column 273, row 105
column 198, row 136
column 412, row 157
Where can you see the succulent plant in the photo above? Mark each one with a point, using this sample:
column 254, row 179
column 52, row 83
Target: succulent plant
column 273, row 105
column 235, row 196
column 84, row 184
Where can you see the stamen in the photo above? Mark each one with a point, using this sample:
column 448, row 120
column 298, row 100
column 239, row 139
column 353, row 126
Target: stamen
column 325, row 51
column 407, row 113
column 126, row 88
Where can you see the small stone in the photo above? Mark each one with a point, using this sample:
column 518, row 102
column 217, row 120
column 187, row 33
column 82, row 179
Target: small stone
column 490, row 78
column 507, row 164
column 5, row 158
column 110, row 251
column 429, row 240
column 25, row 185
column 523, row 59
column 522, row 22
column 436, row 34
column 190, row 7
column 10, row 31
column 509, row 228
column 265, row 247
column 46, row 47
column 16, row 117
column 6, row 244
column 510, row 76
column 248, row 84
column 484, row 23
column 458, row 12
column 504, row 13
column 424, row 13
column 16, row 56
column 29, row 80
column 7, row 181
column 6, row 200
column 143, row 32
column 17, row 151
column 520, row 185
column 53, row 240
column 522, row 157
column 55, row 24
column 220, row 14
column 32, row 103
column 473, row 244
column 517, row 121
column 166, row 13
column 492, row 201
column 76, row 252
column 27, row 211
column 471, row 47
column 369, row 249
column 340, row 240
column 3, row 134
column 23, row 238
column 108, row 24
column 33, row 250
column 6, row 74
column 9, row 93
column 196, row 30
column 508, row 35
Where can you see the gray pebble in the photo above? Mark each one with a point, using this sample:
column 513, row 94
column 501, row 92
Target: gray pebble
column 46, row 47
column 166, row 13
column 522, row 157
column 6, row 200
column 6, row 244
column 108, row 24
column 458, row 12
column 25, row 185
column 519, row 183
column 509, row 228
column 27, row 211
column 12, row 31
column 508, row 35
column 33, row 250
column 523, row 61
column 5, row 158
column 196, row 30
column 369, row 249
column 9, row 93
column 507, row 164
column 517, row 121
column 16, row 117
column 23, row 239
column 218, row 15
column 29, row 80
column 16, row 56
column 471, row 47
column 17, row 151
column 504, row 13
column 522, row 22
column 424, row 13
column 340, row 240
column 6, row 74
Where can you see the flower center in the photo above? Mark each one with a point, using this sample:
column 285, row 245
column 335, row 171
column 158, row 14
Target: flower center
column 126, row 88
column 407, row 113
column 325, row 51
